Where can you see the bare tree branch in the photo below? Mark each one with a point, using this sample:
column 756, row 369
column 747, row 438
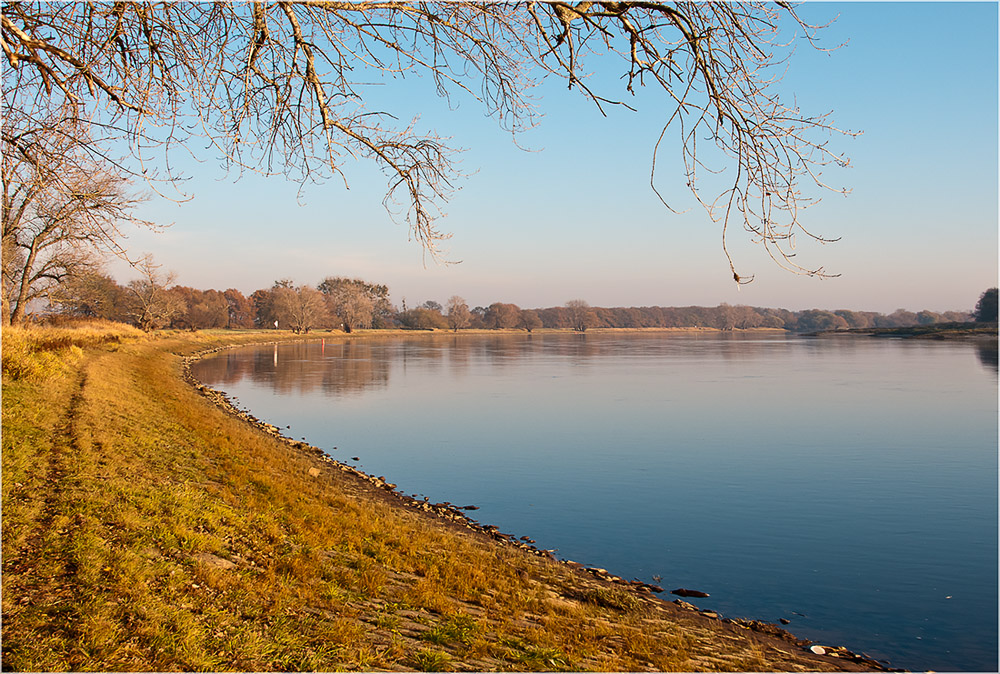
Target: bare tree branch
column 61, row 212
column 280, row 88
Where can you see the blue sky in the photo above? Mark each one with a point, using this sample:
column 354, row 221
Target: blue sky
column 574, row 216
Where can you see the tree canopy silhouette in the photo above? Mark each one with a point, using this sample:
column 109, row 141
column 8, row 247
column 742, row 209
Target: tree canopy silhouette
column 986, row 307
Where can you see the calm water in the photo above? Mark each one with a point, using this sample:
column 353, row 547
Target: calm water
column 848, row 485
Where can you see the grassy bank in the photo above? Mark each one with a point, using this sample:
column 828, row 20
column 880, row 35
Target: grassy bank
column 936, row 331
column 145, row 528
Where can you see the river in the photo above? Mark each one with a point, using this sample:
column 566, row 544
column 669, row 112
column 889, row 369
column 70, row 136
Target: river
column 845, row 484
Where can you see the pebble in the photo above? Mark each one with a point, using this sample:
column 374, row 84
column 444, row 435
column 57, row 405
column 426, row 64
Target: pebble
column 818, row 650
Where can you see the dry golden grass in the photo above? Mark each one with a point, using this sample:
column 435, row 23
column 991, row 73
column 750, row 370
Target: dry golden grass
column 146, row 529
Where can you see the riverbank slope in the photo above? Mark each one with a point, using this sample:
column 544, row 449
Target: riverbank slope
column 147, row 528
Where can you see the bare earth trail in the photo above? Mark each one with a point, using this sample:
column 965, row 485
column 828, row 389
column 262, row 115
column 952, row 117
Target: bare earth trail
column 148, row 525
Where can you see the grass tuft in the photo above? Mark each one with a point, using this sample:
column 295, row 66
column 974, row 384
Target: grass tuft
column 431, row 661
column 542, row 659
column 460, row 629
column 610, row 597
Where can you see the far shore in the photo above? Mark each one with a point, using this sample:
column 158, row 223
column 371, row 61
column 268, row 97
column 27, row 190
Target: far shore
column 404, row 332
column 949, row 331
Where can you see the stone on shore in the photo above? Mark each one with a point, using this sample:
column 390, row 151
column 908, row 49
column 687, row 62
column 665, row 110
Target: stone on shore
column 683, row 592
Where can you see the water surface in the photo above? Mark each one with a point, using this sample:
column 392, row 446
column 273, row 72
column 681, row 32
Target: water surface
column 848, row 485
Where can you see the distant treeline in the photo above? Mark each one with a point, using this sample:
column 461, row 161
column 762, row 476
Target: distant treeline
column 729, row 317
column 342, row 303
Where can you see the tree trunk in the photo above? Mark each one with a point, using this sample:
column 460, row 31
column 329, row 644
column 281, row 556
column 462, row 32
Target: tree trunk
column 17, row 312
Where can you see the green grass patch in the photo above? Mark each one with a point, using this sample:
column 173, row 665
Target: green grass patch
column 460, row 629
column 431, row 661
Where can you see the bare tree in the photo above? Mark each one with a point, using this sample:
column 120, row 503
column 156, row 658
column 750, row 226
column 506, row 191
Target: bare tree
column 61, row 212
column 299, row 309
column 458, row 313
column 726, row 314
column 149, row 304
column 279, row 87
column 357, row 303
column 581, row 316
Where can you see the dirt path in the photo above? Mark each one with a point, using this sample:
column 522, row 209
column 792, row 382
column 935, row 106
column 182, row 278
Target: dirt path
column 41, row 571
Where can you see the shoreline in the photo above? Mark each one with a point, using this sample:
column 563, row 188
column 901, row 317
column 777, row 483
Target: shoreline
column 455, row 516
column 937, row 331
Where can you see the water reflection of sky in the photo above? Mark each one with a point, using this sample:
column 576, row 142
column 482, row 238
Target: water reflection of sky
column 850, row 480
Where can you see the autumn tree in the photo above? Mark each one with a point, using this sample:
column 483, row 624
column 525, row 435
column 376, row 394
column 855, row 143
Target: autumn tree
column 502, row 315
column 725, row 317
column 458, row 314
column 529, row 320
column 263, row 317
column 239, row 309
column 91, row 294
column 926, row 317
column 207, row 309
column 298, row 309
column 816, row 320
column 280, row 87
column 354, row 302
column 183, row 297
column 855, row 319
column 478, row 317
column 900, row 318
column 421, row 318
column 730, row 317
column 580, row 315
column 554, row 317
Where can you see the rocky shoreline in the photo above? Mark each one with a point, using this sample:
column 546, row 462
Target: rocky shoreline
column 456, row 516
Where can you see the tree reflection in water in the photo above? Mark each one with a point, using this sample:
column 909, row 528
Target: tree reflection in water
column 346, row 367
column 334, row 368
column 987, row 352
